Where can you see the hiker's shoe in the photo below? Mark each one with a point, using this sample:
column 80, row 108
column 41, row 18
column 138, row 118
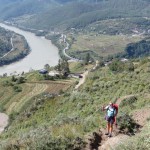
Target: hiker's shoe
column 106, row 133
column 110, row 135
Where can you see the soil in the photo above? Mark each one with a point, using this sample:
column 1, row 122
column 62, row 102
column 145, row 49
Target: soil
column 3, row 121
column 82, row 80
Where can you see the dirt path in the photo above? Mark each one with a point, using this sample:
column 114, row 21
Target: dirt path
column 84, row 75
column 140, row 116
column 122, row 98
column 82, row 80
column 3, row 121
column 112, row 142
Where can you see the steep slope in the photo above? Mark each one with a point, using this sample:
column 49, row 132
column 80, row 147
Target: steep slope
column 11, row 9
column 79, row 15
column 63, row 122
column 71, row 14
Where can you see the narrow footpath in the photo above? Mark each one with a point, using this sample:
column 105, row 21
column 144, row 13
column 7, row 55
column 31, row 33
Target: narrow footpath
column 82, row 80
column 99, row 141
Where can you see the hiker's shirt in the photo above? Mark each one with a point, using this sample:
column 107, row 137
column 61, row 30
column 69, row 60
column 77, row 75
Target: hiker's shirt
column 111, row 112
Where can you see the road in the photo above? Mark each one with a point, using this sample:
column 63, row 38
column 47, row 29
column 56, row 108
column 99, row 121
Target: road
column 11, row 49
column 66, row 48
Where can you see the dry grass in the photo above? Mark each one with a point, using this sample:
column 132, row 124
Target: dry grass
column 103, row 45
column 12, row 101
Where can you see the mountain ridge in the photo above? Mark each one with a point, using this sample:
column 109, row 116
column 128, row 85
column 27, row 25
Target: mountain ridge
column 69, row 14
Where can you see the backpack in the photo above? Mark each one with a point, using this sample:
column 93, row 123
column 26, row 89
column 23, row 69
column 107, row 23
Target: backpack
column 111, row 112
column 116, row 108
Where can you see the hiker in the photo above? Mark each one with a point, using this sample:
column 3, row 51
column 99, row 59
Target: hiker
column 111, row 112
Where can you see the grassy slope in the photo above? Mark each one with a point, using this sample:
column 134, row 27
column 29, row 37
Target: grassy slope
column 13, row 102
column 120, row 26
column 60, row 120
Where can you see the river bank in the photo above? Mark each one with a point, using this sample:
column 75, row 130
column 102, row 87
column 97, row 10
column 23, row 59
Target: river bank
column 19, row 50
column 42, row 52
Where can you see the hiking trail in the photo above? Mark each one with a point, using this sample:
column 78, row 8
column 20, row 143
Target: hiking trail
column 99, row 141
column 82, row 80
column 85, row 74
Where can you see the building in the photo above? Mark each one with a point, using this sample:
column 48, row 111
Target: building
column 53, row 73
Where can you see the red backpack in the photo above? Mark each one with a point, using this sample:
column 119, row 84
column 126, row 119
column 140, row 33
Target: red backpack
column 116, row 108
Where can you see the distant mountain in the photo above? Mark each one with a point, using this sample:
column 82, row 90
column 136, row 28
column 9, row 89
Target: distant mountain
column 10, row 9
column 66, row 14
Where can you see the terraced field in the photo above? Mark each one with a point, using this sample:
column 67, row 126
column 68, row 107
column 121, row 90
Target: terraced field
column 11, row 101
column 16, row 104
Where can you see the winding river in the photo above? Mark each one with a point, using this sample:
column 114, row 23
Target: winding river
column 42, row 52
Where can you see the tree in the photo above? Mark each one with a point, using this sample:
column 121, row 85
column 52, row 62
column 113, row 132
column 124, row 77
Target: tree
column 47, row 66
column 129, row 66
column 87, row 59
column 63, row 66
column 116, row 66
column 66, row 66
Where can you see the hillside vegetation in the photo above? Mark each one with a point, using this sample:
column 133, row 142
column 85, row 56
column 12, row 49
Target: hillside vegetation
column 64, row 122
column 100, row 44
column 49, row 113
column 5, row 42
column 12, row 47
column 71, row 14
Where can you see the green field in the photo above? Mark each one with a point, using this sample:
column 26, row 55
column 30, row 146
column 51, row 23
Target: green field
column 103, row 45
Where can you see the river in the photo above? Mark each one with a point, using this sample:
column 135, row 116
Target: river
column 42, row 52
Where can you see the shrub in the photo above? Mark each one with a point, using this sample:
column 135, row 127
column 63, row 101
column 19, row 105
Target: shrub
column 13, row 79
column 12, row 116
column 116, row 66
column 126, row 124
column 20, row 80
column 7, row 83
column 17, row 88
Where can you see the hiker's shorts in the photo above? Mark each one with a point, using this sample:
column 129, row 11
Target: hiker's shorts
column 110, row 120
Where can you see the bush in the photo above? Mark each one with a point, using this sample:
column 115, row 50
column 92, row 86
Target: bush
column 116, row 66
column 12, row 116
column 7, row 83
column 20, row 80
column 17, row 88
column 126, row 124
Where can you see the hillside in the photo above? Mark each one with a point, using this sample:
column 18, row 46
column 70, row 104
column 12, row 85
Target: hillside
column 110, row 44
column 81, row 13
column 13, row 47
column 64, row 122
column 5, row 42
